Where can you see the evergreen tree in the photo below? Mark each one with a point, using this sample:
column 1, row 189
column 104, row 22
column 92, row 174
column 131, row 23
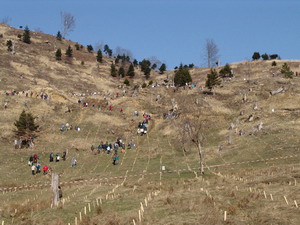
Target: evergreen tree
column 182, row 76
column 226, row 71
column 121, row 72
column 135, row 62
column 286, row 70
column 9, row 45
column 99, row 56
column 58, row 54
column 274, row 63
column 58, row 36
column 154, row 66
column 107, row 50
column 213, row 79
column 113, row 71
column 77, row 46
column 26, row 35
column 162, row 68
column 256, row 56
column 26, row 127
column 69, row 51
column 90, row 48
column 265, row 56
column 130, row 71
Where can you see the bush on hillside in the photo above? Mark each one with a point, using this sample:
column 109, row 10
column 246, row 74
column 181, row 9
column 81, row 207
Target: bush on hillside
column 286, row 70
column 265, row 56
column 126, row 82
column 113, row 71
column 99, row 56
column 274, row 63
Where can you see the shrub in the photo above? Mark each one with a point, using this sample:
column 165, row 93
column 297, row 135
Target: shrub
column 99, row 56
column 144, row 85
column 150, row 82
column 162, row 68
column 126, row 82
column 121, row 72
column 82, row 63
column 286, row 71
column 274, row 63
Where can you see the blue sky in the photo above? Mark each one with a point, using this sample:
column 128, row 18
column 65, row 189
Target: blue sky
column 174, row 31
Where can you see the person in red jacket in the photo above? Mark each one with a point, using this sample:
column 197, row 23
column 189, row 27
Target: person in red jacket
column 45, row 169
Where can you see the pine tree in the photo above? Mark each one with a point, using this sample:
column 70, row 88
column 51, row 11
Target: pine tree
column 9, row 45
column 162, row 68
column 130, row 71
column 213, row 79
column 182, row 76
column 58, row 54
column 135, row 62
column 226, row 71
column 69, row 51
column 99, row 56
column 286, row 70
column 26, row 35
column 58, row 36
column 121, row 72
column 113, row 71
column 90, row 48
column 256, row 56
column 26, row 127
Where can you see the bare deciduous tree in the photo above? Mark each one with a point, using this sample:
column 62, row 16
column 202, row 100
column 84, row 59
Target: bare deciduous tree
column 122, row 51
column 68, row 23
column 211, row 52
column 193, row 129
column 6, row 20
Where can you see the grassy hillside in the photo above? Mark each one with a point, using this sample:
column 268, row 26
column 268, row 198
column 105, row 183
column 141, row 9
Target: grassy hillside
column 254, row 178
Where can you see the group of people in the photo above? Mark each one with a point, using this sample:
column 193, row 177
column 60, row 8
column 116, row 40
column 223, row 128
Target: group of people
column 27, row 93
column 67, row 127
column 36, row 166
column 57, row 157
column 143, row 126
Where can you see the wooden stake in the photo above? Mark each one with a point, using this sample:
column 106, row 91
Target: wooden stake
column 84, row 210
column 97, row 202
column 140, row 217
column 89, row 205
column 271, row 196
column 75, row 220
column 133, row 222
column 286, row 200
column 80, row 216
column 296, row 203
column 142, row 207
column 265, row 194
column 225, row 215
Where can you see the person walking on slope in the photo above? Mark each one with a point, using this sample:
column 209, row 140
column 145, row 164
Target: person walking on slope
column 115, row 159
column 33, row 169
column 51, row 157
